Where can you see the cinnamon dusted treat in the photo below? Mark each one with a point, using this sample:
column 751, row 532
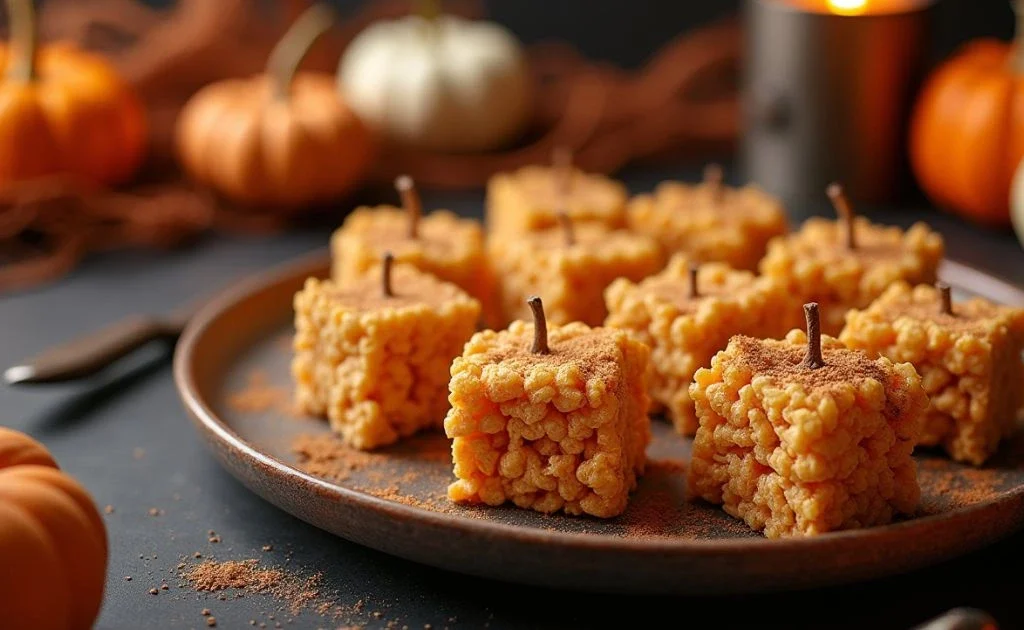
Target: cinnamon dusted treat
column 804, row 436
column 373, row 354
column 571, row 265
column 847, row 264
column 710, row 221
column 530, row 198
column 968, row 355
column 549, row 418
column 439, row 243
column 688, row 313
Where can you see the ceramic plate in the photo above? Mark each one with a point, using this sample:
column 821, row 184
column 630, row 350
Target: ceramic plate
column 231, row 367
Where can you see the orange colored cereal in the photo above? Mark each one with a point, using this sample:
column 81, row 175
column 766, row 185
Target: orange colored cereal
column 710, row 222
column 796, row 450
column 817, row 264
column 562, row 430
column 529, row 199
column 441, row 244
column 969, row 360
column 684, row 330
column 571, row 273
column 377, row 365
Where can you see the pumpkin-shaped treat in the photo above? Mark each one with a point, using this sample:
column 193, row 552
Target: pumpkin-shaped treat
column 66, row 112
column 53, row 545
column 282, row 138
column 967, row 131
column 439, row 82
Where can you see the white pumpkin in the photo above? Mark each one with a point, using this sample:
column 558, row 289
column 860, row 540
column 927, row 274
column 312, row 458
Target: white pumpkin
column 1017, row 203
column 444, row 83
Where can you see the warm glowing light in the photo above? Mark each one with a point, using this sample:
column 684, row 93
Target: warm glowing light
column 847, row 7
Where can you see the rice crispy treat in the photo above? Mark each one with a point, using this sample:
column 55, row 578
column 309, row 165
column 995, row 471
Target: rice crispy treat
column 796, row 451
column 685, row 331
column 529, row 199
column 376, row 365
column 561, row 431
column 709, row 222
column 818, row 267
column 571, row 277
column 446, row 246
column 969, row 362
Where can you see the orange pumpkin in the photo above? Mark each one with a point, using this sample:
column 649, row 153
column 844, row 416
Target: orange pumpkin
column 53, row 545
column 967, row 131
column 278, row 139
column 64, row 111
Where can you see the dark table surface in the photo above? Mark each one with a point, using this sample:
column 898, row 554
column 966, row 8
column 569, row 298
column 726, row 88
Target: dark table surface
column 126, row 437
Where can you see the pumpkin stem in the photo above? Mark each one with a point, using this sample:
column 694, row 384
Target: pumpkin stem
column 713, row 177
column 429, row 10
column 845, row 210
column 567, row 228
column 813, row 359
column 298, row 39
column 945, row 298
column 540, row 327
column 385, row 274
column 24, row 40
column 692, row 272
column 411, row 203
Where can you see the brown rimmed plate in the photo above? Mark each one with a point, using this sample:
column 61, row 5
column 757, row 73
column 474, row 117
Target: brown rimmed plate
column 231, row 368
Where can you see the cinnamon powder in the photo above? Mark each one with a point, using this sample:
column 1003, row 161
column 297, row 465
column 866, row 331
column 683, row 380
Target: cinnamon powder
column 259, row 396
column 298, row 593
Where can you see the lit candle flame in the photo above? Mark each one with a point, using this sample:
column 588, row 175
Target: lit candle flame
column 847, row 7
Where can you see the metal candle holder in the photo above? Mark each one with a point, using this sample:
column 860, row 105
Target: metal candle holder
column 827, row 97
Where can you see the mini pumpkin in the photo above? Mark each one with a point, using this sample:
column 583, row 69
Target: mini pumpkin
column 967, row 129
column 439, row 82
column 282, row 138
column 66, row 112
column 53, row 544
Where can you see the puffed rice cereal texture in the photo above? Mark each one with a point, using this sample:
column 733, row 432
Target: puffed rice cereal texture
column 684, row 333
column 799, row 452
column 447, row 246
column 528, row 200
column 565, row 431
column 818, row 267
column 733, row 227
column 572, row 278
column 375, row 366
column 969, row 362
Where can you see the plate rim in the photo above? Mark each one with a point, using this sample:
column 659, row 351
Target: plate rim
column 208, row 421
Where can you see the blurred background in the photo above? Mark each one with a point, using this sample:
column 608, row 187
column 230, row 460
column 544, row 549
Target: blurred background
column 642, row 84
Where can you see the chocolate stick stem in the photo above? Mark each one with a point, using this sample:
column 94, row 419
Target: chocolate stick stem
column 694, row 292
column 567, row 229
column 410, row 202
column 945, row 297
column 842, row 205
column 813, row 359
column 540, row 327
column 713, row 180
column 561, row 160
column 385, row 279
